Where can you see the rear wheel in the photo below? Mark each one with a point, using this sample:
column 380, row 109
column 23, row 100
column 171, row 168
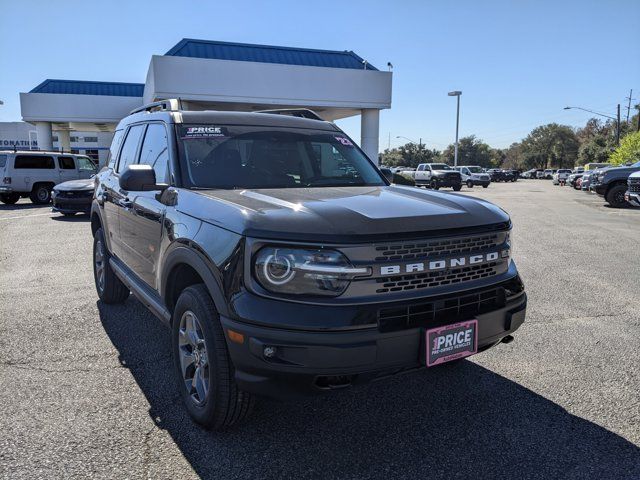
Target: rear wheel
column 202, row 364
column 41, row 194
column 615, row 196
column 9, row 198
column 485, row 186
column 457, row 188
column 469, row 184
column 109, row 287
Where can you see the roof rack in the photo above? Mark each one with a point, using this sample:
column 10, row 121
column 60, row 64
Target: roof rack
column 171, row 105
column 294, row 112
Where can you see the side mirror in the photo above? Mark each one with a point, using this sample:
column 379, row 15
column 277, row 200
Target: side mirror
column 138, row 178
column 387, row 173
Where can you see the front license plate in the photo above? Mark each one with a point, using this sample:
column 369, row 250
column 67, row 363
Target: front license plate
column 451, row 342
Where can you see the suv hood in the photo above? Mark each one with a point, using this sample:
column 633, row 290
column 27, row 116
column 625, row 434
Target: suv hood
column 338, row 214
column 82, row 184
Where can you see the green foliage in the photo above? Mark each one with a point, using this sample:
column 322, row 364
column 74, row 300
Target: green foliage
column 550, row 146
column 472, row 151
column 400, row 179
column 628, row 151
column 408, row 155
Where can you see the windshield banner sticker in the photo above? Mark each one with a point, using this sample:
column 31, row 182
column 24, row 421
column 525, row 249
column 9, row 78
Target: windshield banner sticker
column 344, row 141
column 207, row 131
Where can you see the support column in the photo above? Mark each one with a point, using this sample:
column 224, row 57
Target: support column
column 45, row 138
column 64, row 140
column 370, row 132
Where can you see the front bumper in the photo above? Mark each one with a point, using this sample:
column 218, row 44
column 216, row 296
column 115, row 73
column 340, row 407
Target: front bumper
column 633, row 198
column 599, row 188
column 4, row 189
column 446, row 182
column 480, row 181
column 80, row 204
column 310, row 362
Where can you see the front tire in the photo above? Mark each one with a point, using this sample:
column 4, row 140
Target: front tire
column 469, row 184
column 615, row 196
column 109, row 287
column 485, row 186
column 41, row 194
column 9, row 198
column 457, row 188
column 202, row 364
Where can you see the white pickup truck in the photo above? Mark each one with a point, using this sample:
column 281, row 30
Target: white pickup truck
column 436, row 175
column 561, row 176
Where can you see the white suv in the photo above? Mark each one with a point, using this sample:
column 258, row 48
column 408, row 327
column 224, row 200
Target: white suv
column 561, row 175
column 474, row 175
column 33, row 174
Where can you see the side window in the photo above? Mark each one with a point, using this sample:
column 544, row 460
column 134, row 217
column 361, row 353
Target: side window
column 3, row 161
column 34, row 162
column 155, row 152
column 86, row 164
column 66, row 163
column 130, row 147
column 115, row 146
column 420, row 168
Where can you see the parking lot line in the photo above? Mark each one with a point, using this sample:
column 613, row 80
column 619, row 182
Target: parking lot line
column 26, row 216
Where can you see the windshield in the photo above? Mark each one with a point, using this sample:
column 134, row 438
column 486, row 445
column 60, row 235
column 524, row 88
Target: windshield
column 214, row 156
column 440, row 166
column 636, row 165
column 475, row 169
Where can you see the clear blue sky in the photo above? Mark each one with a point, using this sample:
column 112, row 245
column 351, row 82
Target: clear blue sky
column 517, row 62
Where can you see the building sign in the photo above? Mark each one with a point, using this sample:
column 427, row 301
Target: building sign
column 17, row 143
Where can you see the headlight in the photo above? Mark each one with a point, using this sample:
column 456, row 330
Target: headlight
column 294, row 271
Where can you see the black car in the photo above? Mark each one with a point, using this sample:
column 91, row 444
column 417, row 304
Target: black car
column 611, row 183
column 73, row 197
column 281, row 274
column 497, row 175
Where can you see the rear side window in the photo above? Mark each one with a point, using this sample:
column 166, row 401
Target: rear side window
column 3, row 161
column 34, row 162
column 130, row 147
column 66, row 163
column 154, row 151
column 115, row 146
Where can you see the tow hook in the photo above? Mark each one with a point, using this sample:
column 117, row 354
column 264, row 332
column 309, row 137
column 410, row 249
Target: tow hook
column 507, row 339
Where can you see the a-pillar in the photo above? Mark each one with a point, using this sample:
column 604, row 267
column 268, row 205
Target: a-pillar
column 370, row 132
column 64, row 140
column 45, row 138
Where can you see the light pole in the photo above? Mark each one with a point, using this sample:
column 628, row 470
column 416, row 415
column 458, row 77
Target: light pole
column 406, row 138
column 616, row 118
column 456, row 93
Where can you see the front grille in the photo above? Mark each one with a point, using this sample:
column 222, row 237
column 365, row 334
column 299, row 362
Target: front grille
column 634, row 188
column 444, row 310
column 75, row 194
column 436, row 279
column 453, row 246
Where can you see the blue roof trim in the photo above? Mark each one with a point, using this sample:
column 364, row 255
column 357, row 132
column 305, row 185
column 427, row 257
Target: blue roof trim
column 189, row 47
column 82, row 87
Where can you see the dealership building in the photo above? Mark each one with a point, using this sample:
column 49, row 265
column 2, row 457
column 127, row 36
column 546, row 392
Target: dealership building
column 210, row 75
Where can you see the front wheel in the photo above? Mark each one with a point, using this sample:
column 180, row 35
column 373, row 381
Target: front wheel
column 485, row 186
column 109, row 287
column 202, row 364
column 457, row 188
column 469, row 184
column 615, row 196
column 9, row 198
column 434, row 184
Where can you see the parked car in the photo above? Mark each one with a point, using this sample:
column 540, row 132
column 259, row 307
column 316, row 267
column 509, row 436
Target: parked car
column 548, row 173
column 33, row 174
column 633, row 189
column 496, row 175
column 586, row 180
column 473, row 175
column 611, row 183
column 510, row 175
column 73, row 197
column 539, row 174
column 577, row 184
column 438, row 175
column 573, row 180
column 278, row 278
column 561, row 175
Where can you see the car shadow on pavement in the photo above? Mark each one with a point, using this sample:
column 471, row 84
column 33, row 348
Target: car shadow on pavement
column 460, row 421
column 23, row 206
column 74, row 218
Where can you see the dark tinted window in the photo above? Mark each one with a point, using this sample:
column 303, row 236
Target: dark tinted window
column 130, row 147
column 154, row 151
column 115, row 146
column 66, row 163
column 34, row 161
column 271, row 157
column 3, row 161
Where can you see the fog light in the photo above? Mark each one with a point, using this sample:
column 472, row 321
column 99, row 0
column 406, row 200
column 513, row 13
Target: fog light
column 269, row 352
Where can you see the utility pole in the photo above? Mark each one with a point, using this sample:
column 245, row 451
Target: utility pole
column 456, row 93
column 629, row 104
column 618, row 127
column 389, row 142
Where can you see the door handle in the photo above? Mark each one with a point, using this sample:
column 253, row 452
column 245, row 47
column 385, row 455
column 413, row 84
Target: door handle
column 125, row 203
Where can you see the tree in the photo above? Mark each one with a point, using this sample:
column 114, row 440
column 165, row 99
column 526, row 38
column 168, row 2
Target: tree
column 628, row 151
column 471, row 151
column 408, row 155
column 550, row 146
column 514, row 157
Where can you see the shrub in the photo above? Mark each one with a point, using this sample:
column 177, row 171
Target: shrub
column 628, row 151
column 400, row 179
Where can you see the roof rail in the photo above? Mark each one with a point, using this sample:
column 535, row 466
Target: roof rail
column 170, row 105
column 294, row 112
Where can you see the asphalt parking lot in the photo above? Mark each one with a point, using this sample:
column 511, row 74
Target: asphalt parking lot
column 85, row 388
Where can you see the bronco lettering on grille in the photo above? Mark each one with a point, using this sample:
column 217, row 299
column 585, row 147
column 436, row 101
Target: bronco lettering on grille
column 438, row 264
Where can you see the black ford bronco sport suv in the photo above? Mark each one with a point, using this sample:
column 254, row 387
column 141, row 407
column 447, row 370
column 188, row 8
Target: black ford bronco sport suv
column 285, row 263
